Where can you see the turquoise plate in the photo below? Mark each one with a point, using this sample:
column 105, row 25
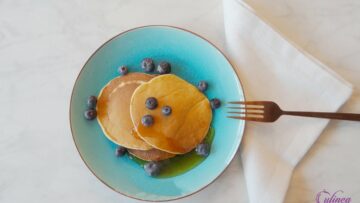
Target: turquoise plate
column 193, row 58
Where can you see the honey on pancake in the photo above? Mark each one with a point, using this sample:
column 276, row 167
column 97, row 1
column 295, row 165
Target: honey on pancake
column 113, row 110
column 188, row 123
column 150, row 155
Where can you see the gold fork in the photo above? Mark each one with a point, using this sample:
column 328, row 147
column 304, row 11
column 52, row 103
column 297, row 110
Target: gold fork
column 267, row 111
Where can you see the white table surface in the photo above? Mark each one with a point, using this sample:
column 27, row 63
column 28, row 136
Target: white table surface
column 44, row 43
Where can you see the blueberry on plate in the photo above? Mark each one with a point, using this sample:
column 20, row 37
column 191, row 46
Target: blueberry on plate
column 123, row 70
column 151, row 103
column 91, row 102
column 202, row 86
column 90, row 114
column 164, row 67
column 203, row 149
column 152, row 168
column 148, row 65
column 166, row 110
column 147, row 120
column 215, row 103
column 120, row 151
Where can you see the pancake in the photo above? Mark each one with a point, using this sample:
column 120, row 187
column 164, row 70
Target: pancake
column 188, row 123
column 150, row 155
column 113, row 110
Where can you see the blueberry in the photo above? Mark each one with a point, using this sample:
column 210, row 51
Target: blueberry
column 151, row 103
column 164, row 67
column 203, row 149
column 152, row 168
column 147, row 120
column 148, row 65
column 215, row 103
column 166, row 110
column 202, row 86
column 90, row 114
column 91, row 102
column 120, row 151
column 123, row 70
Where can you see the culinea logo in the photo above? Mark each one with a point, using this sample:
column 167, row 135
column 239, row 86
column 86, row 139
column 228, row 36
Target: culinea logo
column 337, row 197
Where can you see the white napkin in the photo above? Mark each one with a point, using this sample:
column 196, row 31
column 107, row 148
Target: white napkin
column 272, row 68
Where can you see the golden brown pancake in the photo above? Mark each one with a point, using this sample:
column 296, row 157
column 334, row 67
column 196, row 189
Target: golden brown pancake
column 113, row 110
column 188, row 123
column 150, row 155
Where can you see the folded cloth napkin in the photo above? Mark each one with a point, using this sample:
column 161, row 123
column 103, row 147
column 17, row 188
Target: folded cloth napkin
column 273, row 68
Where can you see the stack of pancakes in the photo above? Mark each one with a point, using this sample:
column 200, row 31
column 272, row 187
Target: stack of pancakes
column 121, row 105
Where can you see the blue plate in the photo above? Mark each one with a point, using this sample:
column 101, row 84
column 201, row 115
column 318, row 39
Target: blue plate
column 193, row 58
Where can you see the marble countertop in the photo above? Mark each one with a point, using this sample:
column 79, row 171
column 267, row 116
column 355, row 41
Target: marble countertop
column 43, row 45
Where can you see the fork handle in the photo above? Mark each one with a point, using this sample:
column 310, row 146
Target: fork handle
column 339, row 116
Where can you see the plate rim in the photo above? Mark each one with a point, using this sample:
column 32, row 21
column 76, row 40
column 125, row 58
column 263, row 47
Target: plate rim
column 241, row 134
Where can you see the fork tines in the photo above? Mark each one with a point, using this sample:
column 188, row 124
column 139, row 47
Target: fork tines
column 251, row 110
